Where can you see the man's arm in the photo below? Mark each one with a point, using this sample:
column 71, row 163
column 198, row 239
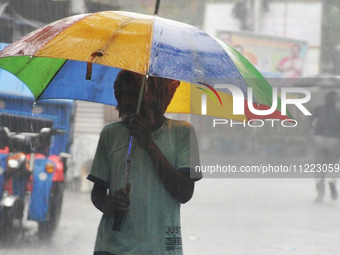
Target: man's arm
column 100, row 199
column 178, row 184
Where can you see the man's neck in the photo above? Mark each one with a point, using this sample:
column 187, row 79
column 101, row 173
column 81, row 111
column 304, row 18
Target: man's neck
column 158, row 123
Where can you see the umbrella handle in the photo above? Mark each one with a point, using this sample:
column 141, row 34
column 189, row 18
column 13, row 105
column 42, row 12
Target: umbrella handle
column 120, row 216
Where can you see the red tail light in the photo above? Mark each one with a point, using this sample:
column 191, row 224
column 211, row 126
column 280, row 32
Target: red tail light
column 29, row 184
column 8, row 186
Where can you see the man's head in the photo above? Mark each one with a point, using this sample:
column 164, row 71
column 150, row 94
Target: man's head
column 157, row 95
column 126, row 89
column 331, row 98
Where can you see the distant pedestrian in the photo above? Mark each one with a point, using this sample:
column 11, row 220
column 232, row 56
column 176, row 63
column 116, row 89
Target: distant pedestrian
column 326, row 140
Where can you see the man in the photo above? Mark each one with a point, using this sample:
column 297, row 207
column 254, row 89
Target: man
column 159, row 178
column 327, row 133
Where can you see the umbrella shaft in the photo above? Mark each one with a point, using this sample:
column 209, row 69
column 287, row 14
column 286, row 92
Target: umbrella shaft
column 132, row 139
column 127, row 164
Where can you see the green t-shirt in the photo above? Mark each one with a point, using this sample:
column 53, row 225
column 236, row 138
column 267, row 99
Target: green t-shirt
column 152, row 225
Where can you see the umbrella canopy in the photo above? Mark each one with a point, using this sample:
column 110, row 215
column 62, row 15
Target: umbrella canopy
column 79, row 57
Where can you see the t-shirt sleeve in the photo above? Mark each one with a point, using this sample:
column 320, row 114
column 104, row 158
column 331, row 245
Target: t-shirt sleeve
column 188, row 154
column 100, row 170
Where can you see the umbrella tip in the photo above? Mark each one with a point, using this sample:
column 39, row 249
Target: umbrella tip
column 157, row 7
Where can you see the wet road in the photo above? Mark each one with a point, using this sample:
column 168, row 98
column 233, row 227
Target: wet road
column 260, row 217
column 225, row 216
column 75, row 235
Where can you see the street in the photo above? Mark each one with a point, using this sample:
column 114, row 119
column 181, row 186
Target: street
column 259, row 216
column 225, row 216
column 75, row 235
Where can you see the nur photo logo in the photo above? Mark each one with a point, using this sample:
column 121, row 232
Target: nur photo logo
column 240, row 101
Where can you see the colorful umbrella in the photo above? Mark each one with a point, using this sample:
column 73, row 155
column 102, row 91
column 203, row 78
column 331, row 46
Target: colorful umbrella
column 79, row 57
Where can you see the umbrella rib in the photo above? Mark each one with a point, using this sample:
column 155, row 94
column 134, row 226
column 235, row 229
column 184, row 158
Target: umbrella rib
column 99, row 53
column 95, row 55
